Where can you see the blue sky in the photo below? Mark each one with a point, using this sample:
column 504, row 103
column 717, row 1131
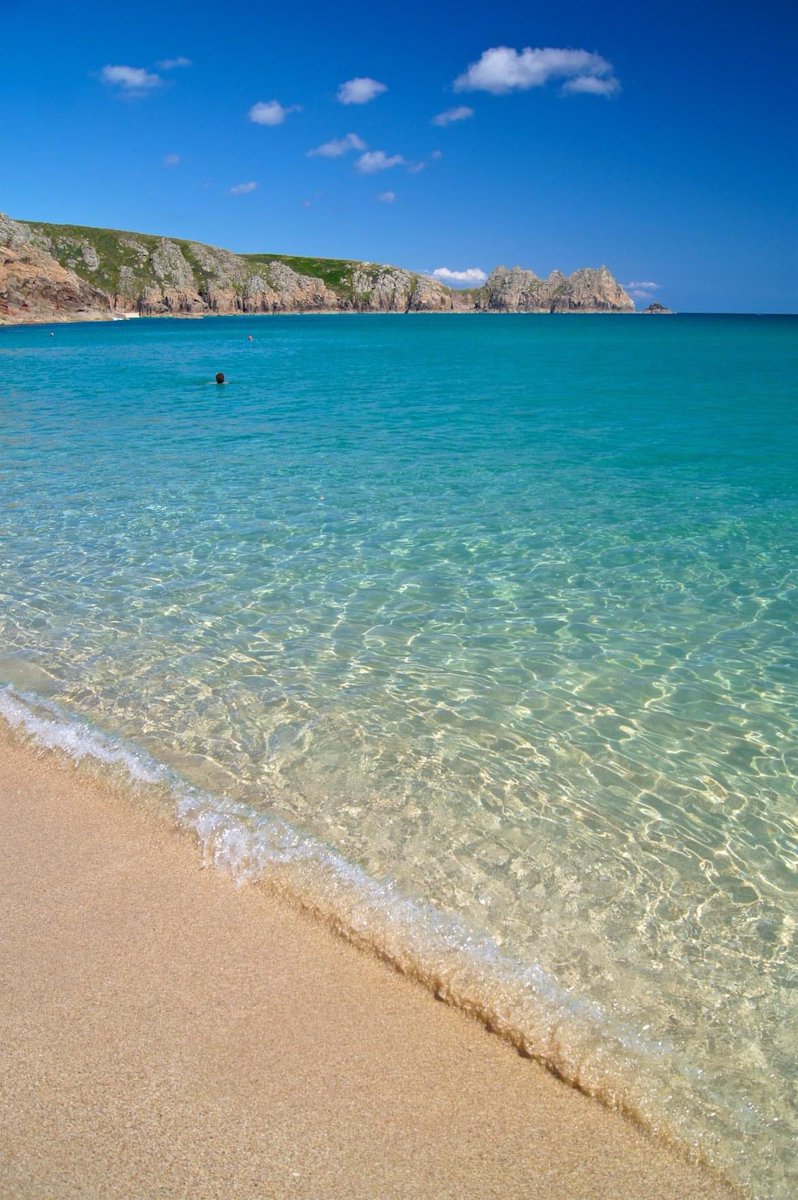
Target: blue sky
column 657, row 138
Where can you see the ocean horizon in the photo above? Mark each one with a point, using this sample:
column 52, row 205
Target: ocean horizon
column 475, row 638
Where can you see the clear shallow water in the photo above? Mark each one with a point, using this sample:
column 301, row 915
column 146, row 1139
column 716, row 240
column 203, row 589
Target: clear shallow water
column 479, row 633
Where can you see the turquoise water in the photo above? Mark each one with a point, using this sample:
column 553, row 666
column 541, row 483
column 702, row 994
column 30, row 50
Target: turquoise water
column 478, row 634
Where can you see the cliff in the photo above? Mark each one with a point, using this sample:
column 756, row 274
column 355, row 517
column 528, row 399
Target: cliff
column 587, row 290
column 72, row 272
column 35, row 287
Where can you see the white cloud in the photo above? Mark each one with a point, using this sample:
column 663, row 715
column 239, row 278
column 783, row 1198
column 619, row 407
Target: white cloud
column 360, row 90
column 470, row 275
column 642, row 289
column 133, row 81
column 271, row 113
column 378, row 160
column 591, row 85
column 169, row 64
column 338, row 146
column 416, row 167
column 462, row 113
column 171, row 160
column 243, row 189
column 502, row 69
column 387, row 197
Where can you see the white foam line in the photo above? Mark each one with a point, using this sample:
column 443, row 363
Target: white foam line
column 73, row 738
column 523, row 1003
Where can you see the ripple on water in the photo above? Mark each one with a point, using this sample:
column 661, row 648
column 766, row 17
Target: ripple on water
column 508, row 632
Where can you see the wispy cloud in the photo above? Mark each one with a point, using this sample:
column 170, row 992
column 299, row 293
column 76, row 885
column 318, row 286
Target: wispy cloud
column 271, row 112
column 642, row 289
column 378, row 160
column 416, row 167
column 461, row 113
column 360, row 90
column 171, row 64
column 338, row 146
column 131, row 81
column 469, row 275
column 386, row 197
column 171, row 160
column 502, row 69
column 243, row 189
column 591, row 85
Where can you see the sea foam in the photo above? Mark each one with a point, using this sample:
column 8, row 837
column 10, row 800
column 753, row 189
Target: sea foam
column 478, row 641
column 575, row 1038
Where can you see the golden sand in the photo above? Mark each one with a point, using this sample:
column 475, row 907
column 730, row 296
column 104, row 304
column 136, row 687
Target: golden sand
column 165, row 1034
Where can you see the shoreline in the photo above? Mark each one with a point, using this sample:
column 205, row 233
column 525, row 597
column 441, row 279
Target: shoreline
column 102, row 318
column 167, row 1032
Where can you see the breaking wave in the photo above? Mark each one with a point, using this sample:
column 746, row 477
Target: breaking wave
column 577, row 1039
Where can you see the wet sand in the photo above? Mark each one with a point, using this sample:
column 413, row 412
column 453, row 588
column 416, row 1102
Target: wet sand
column 165, row 1034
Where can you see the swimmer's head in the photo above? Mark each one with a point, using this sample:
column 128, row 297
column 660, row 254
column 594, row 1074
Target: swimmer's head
column 220, row 376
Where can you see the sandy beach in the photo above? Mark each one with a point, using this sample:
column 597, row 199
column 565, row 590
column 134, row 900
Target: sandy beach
column 167, row 1034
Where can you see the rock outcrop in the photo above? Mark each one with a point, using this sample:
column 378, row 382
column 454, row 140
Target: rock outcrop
column 587, row 291
column 392, row 289
column 657, row 310
column 69, row 272
column 35, row 287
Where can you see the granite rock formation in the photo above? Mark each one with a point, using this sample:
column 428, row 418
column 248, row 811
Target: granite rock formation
column 35, row 287
column 68, row 272
column 518, row 290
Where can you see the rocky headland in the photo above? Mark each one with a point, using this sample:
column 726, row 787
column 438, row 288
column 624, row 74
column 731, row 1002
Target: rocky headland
column 78, row 273
column 517, row 290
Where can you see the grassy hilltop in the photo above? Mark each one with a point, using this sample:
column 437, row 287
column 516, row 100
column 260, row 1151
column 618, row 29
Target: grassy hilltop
column 122, row 258
column 63, row 272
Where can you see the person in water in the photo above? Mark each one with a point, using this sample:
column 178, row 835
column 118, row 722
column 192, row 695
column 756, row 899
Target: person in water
column 220, row 376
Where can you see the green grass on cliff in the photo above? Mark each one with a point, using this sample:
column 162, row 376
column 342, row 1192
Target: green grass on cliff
column 112, row 250
column 115, row 249
column 334, row 272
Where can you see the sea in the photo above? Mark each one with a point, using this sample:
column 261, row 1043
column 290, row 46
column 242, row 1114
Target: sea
column 475, row 635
